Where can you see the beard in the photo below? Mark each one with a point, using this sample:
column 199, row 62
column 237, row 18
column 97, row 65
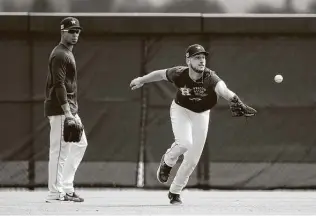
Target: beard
column 197, row 70
column 73, row 42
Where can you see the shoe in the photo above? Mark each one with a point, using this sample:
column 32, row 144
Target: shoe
column 57, row 199
column 163, row 171
column 74, row 197
column 174, row 198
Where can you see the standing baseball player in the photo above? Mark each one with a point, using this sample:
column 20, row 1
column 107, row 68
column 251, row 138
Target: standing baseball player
column 60, row 103
column 198, row 92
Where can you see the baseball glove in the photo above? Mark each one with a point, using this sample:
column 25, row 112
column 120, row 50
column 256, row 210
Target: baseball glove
column 238, row 108
column 73, row 130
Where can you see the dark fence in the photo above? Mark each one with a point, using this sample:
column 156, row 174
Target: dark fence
column 128, row 131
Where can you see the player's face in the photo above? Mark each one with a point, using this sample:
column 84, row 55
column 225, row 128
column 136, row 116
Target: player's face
column 197, row 63
column 71, row 36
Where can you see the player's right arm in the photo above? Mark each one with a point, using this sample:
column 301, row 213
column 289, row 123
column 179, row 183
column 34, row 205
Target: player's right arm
column 58, row 67
column 169, row 74
column 154, row 76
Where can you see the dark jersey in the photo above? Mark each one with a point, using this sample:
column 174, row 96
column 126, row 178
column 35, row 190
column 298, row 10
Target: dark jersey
column 197, row 96
column 61, row 83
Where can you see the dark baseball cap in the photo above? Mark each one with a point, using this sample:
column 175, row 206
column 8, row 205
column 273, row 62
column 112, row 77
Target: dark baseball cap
column 70, row 23
column 195, row 49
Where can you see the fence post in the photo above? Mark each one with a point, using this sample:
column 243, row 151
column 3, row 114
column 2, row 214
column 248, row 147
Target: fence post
column 141, row 170
column 31, row 159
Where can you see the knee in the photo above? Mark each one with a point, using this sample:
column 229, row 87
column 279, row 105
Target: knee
column 191, row 162
column 83, row 143
column 185, row 144
column 188, row 167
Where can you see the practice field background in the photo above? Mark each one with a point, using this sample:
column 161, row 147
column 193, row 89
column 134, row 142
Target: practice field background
column 155, row 202
column 128, row 131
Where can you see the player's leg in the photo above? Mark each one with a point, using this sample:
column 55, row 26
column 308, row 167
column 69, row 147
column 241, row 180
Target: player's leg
column 72, row 163
column 191, row 158
column 181, row 126
column 58, row 152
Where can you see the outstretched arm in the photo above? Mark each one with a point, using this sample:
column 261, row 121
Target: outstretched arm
column 222, row 90
column 154, row 76
column 238, row 108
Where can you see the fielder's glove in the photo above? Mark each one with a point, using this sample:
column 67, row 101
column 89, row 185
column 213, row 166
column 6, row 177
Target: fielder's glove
column 73, row 130
column 238, row 108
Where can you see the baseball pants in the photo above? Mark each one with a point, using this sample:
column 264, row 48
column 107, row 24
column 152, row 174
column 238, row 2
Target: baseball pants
column 190, row 132
column 64, row 158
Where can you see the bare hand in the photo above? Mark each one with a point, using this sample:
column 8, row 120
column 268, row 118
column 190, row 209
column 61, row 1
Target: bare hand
column 136, row 83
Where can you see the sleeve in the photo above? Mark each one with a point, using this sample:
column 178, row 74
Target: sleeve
column 212, row 79
column 58, row 66
column 173, row 73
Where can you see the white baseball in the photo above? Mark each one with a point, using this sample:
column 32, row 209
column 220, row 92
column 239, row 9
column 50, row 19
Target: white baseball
column 278, row 78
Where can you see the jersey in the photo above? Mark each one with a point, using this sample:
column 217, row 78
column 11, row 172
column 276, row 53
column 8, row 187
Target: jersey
column 197, row 96
column 61, row 82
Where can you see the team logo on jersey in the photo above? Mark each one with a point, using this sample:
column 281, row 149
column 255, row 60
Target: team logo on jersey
column 185, row 91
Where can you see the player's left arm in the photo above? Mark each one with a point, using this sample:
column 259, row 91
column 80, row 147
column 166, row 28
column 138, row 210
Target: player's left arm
column 222, row 90
column 219, row 86
column 238, row 108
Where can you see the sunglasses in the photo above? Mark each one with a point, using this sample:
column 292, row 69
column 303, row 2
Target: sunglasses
column 73, row 31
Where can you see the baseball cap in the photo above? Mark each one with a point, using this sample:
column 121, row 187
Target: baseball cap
column 70, row 23
column 195, row 49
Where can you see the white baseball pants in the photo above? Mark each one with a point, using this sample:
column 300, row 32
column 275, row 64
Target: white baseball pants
column 64, row 158
column 190, row 132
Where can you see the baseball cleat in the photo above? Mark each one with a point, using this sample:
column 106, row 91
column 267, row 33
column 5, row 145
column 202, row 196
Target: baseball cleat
column 57, row 199
column 174, row 198
column 163, row 171
column 74, row 197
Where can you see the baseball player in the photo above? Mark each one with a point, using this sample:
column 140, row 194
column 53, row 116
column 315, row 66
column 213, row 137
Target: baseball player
column 198, row 92
column 61, row 102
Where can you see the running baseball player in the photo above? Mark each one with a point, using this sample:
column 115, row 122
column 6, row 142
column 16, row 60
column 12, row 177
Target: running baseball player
column 60, row 103
column 198, row 92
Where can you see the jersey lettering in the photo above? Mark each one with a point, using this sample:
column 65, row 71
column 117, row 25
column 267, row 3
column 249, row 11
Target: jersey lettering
column 199, row 91
column 197, row 96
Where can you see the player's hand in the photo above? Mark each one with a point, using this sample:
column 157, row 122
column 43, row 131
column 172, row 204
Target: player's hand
column 238, row 108
column 136, row 83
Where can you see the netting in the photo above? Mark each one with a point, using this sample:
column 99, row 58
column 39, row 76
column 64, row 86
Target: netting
column 128, row 131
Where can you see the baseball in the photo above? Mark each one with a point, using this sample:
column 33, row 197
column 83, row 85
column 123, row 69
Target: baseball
column 278, row 78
